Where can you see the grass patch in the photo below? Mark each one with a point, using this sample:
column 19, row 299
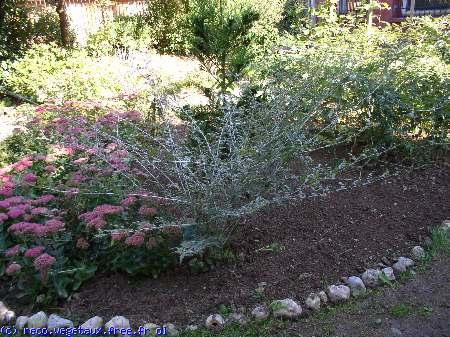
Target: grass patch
column 425, row 311
column 401, row 310
column 254, row 329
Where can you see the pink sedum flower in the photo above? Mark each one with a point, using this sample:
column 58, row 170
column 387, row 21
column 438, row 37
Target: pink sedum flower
column 50, row 168
column 13, row 268
column 97, row 223
column 22, row 165
column 6, row 192
column 54, row 225
column 16, row 212
column 119, row 235
column 43, row 200
column 148, row 211
column 63, row 151
column 3, row 217
column 40, row 157
column 107, row 209
column 81, row 161
column 129, row 201
column 43, row 262
column 136, row 240
column 29, row 179
column 13, row 251
column 40, row 109
column 39, row 210
column 110, row 147
column 14, row 201
column 34, row 252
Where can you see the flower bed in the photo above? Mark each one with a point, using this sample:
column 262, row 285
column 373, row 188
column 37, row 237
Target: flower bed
column 65, row 213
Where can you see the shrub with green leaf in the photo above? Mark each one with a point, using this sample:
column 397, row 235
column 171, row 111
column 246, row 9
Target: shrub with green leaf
column 21, row 26
column 168, row 20
column 390, row 87
column 123, row 34
column 221, row 39
column 50, row 72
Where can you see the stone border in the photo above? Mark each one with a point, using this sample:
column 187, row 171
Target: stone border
column 353, row 286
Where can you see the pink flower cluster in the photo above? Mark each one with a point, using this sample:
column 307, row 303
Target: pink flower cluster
column 147, row 211
column 43, row 262
column 40, row 230
column 29, row 179
column 96, row 218
column 3, row 217
column 13, row 251
column 43, row 200
column 22, row 164
column 128, row 201
column 13, row 268
column 119, row 235
column 17, row 211
column 135, row 240
column 34, row 252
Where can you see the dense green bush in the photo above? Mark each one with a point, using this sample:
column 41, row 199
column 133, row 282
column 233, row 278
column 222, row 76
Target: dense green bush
column 168, row 20
column 221, row 39
column 123, row 34
column 389, row 87
column 47, row 71
column 21, row 26
column 15, row 28
column 295, row 16
column 264, row 32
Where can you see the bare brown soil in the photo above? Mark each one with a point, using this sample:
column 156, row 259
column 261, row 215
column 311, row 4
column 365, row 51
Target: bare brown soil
column 294, row 248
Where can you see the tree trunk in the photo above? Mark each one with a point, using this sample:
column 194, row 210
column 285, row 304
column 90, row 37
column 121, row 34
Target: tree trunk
column 2, row 13
column 63, row 23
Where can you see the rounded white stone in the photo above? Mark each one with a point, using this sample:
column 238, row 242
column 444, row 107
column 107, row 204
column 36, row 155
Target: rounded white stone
column 56, row 322
column 215, row 322
column 38, row 320
column 338, row 293
column 418, row 252
column 356, row 285
column 313, row 302
column 286, row 308
column 388, row 272
column 260, row 313
column 21, row 322
column 118, row 322
column 95, row 322
column 171, row 329
column 402, row 265
column 323, row 297
column 371, row 278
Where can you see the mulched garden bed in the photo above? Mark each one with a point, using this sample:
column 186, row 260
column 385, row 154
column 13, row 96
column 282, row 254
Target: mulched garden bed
column 315, row 242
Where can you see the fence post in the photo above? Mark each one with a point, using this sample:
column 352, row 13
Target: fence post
column 412, row 8
column 313, row 14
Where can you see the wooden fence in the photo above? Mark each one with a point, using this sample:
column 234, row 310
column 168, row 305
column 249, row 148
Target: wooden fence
column 87, row 16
